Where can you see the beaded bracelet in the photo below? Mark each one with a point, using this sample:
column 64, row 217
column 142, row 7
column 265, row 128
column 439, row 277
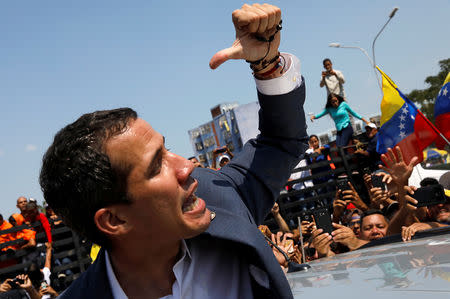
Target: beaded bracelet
column 269, row 72
column 264, row 63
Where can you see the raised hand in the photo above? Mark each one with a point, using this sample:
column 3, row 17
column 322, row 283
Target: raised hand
column 353, row 196
column 307, row 228
column 405, row 200
column 5, row 286
column 396, row 166
column 346, row 236
column 249, row 22
column 26, row 281
column 285, row 245
column 378, row 197
column 321, row 242
column 409, row 231
column 296, row 256
column 48, row 290
column 275, row 209
column 387, row 178
column 339, row 206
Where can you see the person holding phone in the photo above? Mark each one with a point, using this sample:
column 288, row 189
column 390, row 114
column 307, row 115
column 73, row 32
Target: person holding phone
column 16, row 287
column 223, row 155
column 369, row 156
column 339, row 111
column 332, row 79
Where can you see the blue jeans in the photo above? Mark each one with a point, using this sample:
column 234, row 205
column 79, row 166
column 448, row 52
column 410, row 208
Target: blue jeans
column 343, row 136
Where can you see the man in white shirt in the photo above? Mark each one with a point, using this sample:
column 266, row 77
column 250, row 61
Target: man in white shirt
column 332, row 79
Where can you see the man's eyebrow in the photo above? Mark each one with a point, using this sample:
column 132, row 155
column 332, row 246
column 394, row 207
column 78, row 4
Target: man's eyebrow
column 155, row 162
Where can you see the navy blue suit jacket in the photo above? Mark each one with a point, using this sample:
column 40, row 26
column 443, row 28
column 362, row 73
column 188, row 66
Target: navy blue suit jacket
column 241, row 194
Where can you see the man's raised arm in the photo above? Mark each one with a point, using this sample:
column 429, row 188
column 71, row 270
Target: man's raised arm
column 264, row 165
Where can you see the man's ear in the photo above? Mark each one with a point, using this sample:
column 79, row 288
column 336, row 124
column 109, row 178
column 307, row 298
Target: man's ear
column 111, row 221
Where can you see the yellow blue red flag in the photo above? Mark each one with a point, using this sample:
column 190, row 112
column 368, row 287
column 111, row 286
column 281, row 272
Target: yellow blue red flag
column 442, row 112
column 402, row 124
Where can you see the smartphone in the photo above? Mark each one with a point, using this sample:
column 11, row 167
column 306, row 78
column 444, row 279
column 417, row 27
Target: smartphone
column 14, row 283
column 323, row 220
column 429, row 195
column 377, row 181
column 289, row 245
column 221, row 150
column 342, row 184
column 306, row 217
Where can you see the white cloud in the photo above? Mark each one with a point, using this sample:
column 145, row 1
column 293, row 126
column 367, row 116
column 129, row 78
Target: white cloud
column 30, row 147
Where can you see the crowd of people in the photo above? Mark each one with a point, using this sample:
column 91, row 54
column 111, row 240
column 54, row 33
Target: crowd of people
column 33, row 222
column 32, row 236
column 166, row 224
column 392, row 210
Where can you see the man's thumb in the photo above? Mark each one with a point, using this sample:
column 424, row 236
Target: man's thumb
column 222, row 56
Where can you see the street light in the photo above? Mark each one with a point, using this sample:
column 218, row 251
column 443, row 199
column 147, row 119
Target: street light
column 391, row 15
column 372, row 61
column 338, row 45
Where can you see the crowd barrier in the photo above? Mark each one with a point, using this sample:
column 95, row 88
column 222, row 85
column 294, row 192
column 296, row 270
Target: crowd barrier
column 66, row 244
column 297, row 203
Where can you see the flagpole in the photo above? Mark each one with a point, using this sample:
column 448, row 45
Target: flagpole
column 418, row 111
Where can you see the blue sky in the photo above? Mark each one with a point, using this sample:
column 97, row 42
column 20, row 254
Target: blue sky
column 60, row 59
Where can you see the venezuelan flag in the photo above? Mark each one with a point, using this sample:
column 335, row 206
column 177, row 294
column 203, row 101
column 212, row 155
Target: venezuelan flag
column 402, row 124
column 442, row 112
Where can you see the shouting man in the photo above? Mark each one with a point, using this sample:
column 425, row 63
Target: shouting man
column 165, row 227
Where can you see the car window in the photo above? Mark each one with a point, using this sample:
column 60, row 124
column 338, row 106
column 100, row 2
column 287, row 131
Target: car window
column 434, row 158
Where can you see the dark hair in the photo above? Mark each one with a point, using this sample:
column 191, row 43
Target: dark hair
column 31, row 206
column 47, row 211
column 77, row 178
column 12, row 220
column 311, row 136
column 371, row 212
column 428, row 182
column 330, row 96
column 325, row 60
column 193, row 157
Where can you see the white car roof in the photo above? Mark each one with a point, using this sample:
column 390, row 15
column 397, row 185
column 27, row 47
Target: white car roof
column 415, row 269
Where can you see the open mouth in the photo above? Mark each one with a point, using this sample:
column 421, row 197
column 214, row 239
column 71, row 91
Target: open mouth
column 190, row 204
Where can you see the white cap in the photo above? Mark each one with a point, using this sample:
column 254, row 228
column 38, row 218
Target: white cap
column 371, row 125
column 224, row 157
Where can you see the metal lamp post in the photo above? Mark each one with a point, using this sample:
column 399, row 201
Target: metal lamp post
column 338, row 45
column 372, row 61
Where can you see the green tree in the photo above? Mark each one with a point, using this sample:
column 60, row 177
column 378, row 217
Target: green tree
column 424, row 98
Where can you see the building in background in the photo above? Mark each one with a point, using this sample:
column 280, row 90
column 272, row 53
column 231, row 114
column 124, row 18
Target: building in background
column 231, row 125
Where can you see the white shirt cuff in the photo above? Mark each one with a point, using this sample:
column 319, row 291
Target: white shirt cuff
column 287, row 82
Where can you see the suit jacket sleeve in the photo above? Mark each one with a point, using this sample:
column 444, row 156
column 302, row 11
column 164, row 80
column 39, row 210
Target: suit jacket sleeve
column 260, row 171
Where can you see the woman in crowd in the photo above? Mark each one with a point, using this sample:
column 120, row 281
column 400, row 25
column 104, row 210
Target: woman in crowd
column 338, row 109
